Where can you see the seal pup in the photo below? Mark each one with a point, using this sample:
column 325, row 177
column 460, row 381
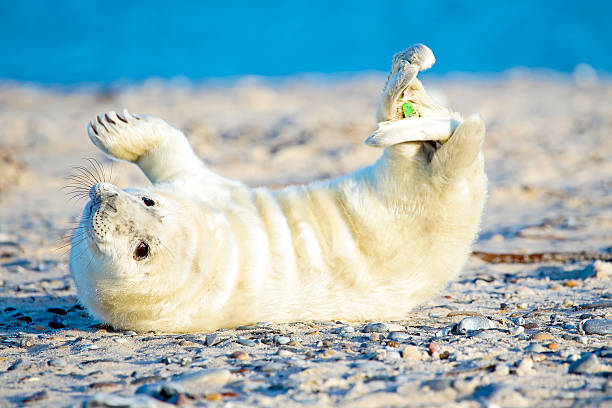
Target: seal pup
column 197, row 252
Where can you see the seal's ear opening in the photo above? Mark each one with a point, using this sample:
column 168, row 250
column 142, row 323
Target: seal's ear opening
column 419, row 129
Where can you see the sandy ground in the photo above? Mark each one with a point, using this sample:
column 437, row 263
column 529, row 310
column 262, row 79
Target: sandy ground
column 549, row 160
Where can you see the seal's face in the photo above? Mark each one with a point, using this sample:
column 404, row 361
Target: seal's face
column 119, row 226
column 122, row 246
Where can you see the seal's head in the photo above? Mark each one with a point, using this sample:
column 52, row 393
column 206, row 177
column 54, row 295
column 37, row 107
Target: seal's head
column 122, row 252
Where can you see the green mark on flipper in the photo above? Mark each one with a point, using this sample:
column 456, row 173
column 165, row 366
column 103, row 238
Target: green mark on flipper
column 408, row 109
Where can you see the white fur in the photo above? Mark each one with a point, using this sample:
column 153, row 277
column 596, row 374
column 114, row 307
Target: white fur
column 369, row 245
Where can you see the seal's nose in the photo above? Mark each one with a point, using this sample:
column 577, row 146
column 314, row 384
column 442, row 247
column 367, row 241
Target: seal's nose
column 103, row 192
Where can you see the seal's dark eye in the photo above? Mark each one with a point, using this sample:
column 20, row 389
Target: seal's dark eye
column 141, row 252
column 148, row 202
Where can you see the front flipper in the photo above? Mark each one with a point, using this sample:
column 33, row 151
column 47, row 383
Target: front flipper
column 406, row 112
column 160, row 150
column 393, row 132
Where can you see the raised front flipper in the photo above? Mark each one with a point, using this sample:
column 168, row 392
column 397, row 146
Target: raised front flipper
column 160, row 150
column 406, row 112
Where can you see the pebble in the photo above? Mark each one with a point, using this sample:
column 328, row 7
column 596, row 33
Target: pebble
column 473, row 323
column 344, row 330
column 57, row 323
column 211, row 340
column 240, row 355
column 376, row 328
column 553, row 346
column 597, row 326
column 433, row 348
column 411, row 352
column 272, row 367
column 281, row 339
column 515, row 331
column 588, row 364
column 130, row 333
column 245, row 342
column 525, row 367
column 398, row 336
column 541, row 336
column 118, row 401
column 57, row 310
column 447, row 331
column 119, row 340
column 57, row 362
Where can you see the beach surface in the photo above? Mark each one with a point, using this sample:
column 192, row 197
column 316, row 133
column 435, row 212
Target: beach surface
column 532, row 330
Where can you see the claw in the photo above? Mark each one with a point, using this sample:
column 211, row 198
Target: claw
column 101, row 122
column 93, row 127
column 109, row 119
column 121, row 118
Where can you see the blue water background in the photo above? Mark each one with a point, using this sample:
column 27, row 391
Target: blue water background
column 68, row 42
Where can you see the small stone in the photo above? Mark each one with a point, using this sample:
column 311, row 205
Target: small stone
column 515, row 331
column 240, row 355
column 525, row 367
column 213, row 397
column 411, row 352
column 541, row 336
column 119, row 340
column 57, row 310
column 57, row 362
column 211, row 339
column 589, row 364
column 245, row 342
column 398, row 336
column 473, row 323
column 376, row 328
column 433, row 348
column 129, row 333
column 344, row 330
column 282, row 340
column 375, row 336
column 597, row 326
column 519, row 321
column 393, row 343
column 448, row 330
column 571, row 283
column 553, row 346
column 57, row 323
column 185, row 361
column 272, row 367
column 530, row 325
